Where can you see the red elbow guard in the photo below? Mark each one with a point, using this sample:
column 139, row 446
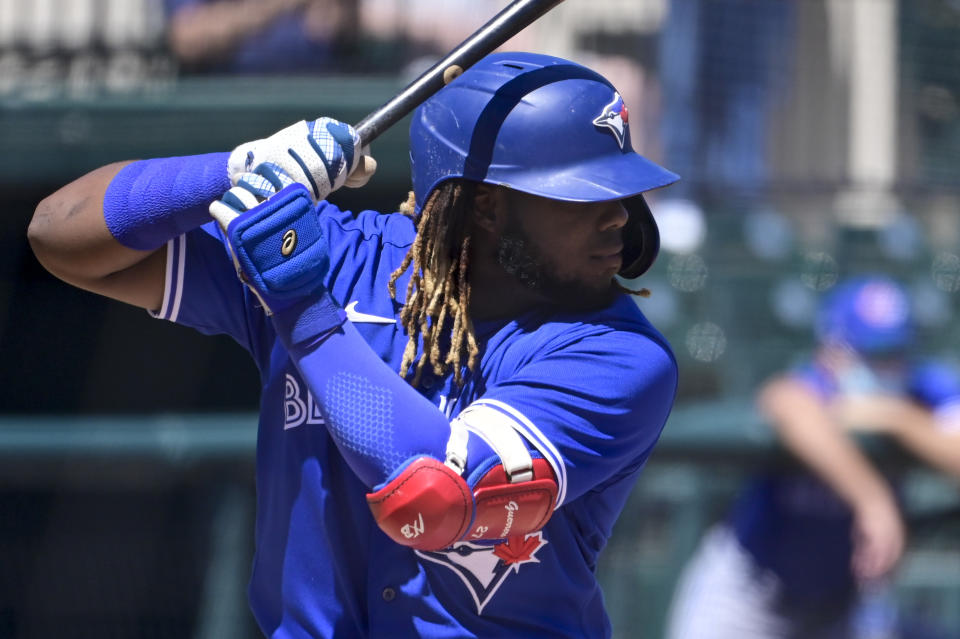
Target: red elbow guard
column 429, row 506
column 506, row 510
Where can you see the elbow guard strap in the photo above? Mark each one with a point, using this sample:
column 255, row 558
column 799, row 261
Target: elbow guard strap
column 429, row 506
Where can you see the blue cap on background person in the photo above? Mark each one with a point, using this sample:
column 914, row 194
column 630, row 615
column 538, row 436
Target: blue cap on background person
column 871, row 314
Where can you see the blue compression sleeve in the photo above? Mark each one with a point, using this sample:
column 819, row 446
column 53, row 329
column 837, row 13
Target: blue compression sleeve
column 378, row 421
column 150, row 202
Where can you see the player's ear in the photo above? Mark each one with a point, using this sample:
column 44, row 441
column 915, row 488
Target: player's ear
column 488, row 206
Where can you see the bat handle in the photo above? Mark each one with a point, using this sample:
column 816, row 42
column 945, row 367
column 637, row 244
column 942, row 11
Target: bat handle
column 503, row 26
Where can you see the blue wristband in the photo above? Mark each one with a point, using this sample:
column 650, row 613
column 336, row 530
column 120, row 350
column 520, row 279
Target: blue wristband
column 150, row 202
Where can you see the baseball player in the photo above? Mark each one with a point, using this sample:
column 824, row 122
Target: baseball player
column 456, row 401
column 802, row 546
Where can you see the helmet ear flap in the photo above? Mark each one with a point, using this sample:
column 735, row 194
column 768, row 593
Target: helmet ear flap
column 641, row 238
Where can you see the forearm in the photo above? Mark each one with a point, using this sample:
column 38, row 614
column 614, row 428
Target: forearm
column 914, row 426
column 102, row 232
column 836, row 460
column 805, row 429
column 377, row 420
column 935, row 446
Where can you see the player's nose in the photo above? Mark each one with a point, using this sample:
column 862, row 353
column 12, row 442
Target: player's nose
column 611, row 215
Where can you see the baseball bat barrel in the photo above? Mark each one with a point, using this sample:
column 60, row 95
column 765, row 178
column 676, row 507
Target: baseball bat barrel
column 503, row 26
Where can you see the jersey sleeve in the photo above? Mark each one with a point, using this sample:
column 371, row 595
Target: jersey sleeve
column 201, row 288
column 593, row 409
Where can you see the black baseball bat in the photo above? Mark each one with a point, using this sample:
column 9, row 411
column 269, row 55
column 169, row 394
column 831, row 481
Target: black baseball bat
column 503, row 26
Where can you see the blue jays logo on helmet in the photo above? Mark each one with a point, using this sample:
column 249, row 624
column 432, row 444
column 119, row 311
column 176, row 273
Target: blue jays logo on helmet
column 615, row 117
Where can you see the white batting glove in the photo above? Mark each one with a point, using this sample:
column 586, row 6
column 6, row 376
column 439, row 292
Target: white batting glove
column 323, row 155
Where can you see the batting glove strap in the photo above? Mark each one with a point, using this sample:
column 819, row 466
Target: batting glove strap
column 428, row 506
column 279, row 248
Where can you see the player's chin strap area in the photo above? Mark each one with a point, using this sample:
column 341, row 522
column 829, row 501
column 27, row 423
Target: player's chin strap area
column 429, row 505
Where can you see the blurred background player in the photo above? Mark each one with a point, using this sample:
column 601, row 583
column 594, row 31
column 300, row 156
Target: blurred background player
column 254, row 36
column 802, row 547
column 317, row 37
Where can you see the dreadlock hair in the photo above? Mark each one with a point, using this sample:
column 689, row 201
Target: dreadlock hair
column 438, row 294
column 640, row 292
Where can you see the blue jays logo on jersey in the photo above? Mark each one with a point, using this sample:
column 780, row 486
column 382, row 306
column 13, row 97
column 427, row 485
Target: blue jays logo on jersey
column 482, row 568
column 615, row 118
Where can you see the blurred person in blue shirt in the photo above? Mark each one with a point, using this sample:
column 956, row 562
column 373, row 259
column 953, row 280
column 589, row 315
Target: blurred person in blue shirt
column 259, row 36
column 298, row 37
column 807, row 552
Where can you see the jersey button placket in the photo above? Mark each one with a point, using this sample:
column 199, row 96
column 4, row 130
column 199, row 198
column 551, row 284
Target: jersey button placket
column 388, row 594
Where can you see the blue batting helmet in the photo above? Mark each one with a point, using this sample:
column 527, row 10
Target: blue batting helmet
column 871, row 314
column 541, row 125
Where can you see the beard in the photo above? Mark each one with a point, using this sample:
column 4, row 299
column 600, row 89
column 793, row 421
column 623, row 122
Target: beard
column 519, row 257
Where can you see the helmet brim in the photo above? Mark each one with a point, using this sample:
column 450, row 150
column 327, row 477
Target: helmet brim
column 598, row 179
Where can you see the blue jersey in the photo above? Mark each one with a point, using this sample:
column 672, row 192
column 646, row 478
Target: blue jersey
column 794, row 524
column 589, row 392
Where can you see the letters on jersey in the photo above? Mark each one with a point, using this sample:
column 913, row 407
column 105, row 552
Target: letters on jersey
column 299, row 408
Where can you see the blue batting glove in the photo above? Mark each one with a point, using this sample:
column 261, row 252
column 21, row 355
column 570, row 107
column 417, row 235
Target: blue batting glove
column 322, row 155
column 274, row 236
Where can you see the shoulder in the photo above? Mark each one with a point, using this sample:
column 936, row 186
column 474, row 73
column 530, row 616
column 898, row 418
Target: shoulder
column 621, row 325
column 614, row 350
column 935, row 382
column 605, row 379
